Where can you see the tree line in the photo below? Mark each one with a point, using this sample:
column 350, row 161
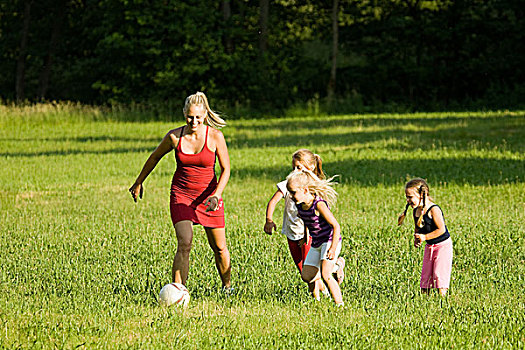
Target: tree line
column 265, row 54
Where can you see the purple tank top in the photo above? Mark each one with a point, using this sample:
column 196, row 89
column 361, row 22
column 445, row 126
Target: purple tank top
column 320, row 230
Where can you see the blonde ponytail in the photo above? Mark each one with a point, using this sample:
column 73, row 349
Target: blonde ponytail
column 319, row 167
column 311, row 160
column 212, row 118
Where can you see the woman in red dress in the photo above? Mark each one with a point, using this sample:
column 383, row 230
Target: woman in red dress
column 196, row 195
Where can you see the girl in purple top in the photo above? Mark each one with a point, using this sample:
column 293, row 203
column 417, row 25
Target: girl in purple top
column 313, row 197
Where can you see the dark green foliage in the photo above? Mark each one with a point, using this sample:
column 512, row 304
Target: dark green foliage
column 417, row 54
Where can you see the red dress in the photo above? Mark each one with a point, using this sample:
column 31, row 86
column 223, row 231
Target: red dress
column 193, row 182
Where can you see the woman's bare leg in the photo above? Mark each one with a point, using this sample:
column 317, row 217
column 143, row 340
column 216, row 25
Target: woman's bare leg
column 181, row 262
column 217, row 241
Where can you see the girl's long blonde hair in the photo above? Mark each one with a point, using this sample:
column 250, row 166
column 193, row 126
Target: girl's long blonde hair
column 212, row 118
column 422, row 188
column 319, row 187
column 311, row 160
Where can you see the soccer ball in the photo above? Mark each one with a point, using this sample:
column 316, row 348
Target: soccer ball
column 174, row 294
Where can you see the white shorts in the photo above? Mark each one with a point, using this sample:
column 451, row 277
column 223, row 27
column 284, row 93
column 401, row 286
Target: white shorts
column 315, row 255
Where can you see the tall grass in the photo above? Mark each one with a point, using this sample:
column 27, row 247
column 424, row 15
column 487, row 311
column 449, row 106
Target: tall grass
column 82, row 264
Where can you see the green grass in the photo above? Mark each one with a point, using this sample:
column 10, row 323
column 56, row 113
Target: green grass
column 81, row 264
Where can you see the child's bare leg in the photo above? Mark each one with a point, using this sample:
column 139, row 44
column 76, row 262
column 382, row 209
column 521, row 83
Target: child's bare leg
column 310, row 274
column 326, row 272
column 322, row 288
column 313, row 288
column 316, row 287
column 339, row 270
column 443, row 291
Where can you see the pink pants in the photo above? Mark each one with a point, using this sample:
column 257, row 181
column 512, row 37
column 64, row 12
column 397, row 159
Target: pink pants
column 437, row 265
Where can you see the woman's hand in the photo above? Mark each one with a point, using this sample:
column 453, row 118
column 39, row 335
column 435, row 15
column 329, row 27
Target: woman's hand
column 212, row 203
column 136, row 189
column 270, row 226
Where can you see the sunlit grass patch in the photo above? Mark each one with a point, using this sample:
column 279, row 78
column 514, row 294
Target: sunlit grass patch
column 82, row 264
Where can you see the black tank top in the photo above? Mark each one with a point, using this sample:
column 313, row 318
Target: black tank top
column 430, row 225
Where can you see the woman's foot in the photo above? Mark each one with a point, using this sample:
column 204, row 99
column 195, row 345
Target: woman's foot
column 228, row 291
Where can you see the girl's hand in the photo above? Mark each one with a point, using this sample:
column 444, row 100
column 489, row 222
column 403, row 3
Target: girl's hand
column 421, row 237
column 330, row 254
column 417, row 240
column 212, row 203
column 270, row 226
column 136, row 189
column 301, row 242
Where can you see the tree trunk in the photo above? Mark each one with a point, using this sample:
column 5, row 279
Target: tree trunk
column 21, row 61
column 226, row 15
column 43, row 84
column 263, row 25
column 330, row 91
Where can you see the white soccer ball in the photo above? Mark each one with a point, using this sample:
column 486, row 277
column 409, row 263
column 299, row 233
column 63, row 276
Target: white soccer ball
column 174, row 294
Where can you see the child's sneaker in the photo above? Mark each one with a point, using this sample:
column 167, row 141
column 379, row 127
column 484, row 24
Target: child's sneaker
column 340, row 272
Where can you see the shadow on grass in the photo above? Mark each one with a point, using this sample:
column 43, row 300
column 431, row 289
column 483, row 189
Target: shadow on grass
column 77, row 152
column 468, row 170
column 431, row 133
column 491, row 131
column 373, row 120
column 86, row 139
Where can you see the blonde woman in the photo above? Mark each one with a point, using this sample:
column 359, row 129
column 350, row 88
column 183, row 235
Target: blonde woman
column 196, row 194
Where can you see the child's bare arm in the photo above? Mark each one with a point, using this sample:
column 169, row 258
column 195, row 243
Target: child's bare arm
column 437, row 216
column 325, row 212
column 269, row 225
column 304, row 240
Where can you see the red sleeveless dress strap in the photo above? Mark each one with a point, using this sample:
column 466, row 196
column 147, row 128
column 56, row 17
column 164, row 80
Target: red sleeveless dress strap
column 193, row 182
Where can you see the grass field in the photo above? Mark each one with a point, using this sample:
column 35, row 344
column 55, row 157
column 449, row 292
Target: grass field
column 81, row 264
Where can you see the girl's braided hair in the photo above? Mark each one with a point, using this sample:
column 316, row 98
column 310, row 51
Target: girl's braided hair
column 423, row 190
